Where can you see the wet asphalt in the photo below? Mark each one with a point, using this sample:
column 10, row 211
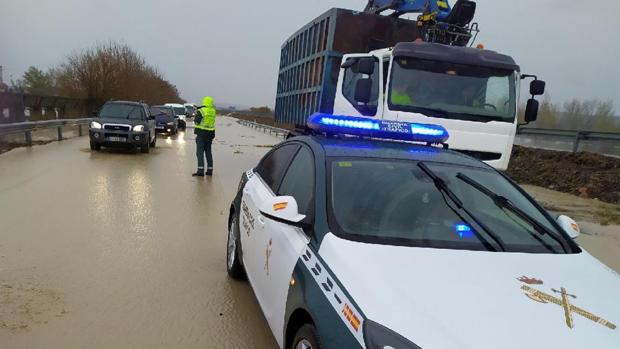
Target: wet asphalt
column 116, row 249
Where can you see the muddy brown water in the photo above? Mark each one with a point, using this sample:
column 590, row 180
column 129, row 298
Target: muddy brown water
column 122, row 250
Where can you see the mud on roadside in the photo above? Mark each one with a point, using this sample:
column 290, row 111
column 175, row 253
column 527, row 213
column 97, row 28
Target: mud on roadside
column 586, row 175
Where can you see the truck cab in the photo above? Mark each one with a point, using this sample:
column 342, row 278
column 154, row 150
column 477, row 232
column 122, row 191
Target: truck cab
column 472, row 92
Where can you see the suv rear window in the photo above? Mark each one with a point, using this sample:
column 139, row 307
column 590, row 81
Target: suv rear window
column 122, row 111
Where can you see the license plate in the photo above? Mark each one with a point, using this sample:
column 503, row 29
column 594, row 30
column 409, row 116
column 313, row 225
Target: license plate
column 159, row 127
column 117, row 139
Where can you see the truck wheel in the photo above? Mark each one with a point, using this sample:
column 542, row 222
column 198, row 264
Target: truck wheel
column 306, row 338
column 233, row 262
column 95, row 146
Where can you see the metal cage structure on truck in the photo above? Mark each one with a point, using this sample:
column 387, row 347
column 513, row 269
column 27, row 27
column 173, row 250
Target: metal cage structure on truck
column 310, row 59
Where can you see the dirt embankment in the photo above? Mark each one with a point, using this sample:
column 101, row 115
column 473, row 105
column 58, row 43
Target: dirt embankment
column 585, row 174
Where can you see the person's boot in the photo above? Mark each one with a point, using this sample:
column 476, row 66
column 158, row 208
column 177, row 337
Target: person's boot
column 209, row 172
column 198, row 174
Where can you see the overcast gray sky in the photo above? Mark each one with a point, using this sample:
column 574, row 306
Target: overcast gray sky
column 230, row 49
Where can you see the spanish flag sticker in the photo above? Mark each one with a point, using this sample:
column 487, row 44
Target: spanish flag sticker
column 280, row 206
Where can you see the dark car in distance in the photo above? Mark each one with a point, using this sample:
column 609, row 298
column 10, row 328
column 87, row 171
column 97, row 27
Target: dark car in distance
column 165, row 119
column 123, row 124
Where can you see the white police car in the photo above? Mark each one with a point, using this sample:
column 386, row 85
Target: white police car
column 351, row 242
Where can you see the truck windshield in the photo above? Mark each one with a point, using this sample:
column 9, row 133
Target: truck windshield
column 122, row 111
column 394, row 202
column 454, row 91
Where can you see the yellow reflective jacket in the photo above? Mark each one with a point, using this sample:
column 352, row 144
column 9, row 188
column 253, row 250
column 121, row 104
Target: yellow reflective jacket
column 207, row 115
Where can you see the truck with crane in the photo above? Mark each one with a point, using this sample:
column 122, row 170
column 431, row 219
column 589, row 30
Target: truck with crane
column 375, row 64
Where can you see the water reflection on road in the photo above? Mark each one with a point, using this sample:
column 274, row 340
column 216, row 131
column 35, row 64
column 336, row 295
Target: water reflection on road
column 117, row 249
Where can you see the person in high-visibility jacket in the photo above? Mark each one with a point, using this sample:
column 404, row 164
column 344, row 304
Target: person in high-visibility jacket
column 204, row 128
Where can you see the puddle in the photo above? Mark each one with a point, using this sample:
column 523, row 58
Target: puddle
column 24, row 304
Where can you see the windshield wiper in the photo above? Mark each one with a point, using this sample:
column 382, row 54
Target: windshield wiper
column 438, row 113
column 503, row 202
column 445, row 191
column 445, row 114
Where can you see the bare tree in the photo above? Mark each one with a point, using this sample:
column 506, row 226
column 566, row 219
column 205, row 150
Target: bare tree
column 113, row 71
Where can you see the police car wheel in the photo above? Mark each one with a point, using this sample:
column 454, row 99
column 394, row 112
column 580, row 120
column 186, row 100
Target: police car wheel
column 233, row 264
column 306, row 338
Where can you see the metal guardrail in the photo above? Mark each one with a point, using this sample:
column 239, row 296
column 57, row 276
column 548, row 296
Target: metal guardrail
column 29, row 126
column 280, row 132
column 576, row 136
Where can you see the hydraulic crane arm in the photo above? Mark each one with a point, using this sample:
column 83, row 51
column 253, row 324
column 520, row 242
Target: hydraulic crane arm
column 440, row 22
column 440, row 8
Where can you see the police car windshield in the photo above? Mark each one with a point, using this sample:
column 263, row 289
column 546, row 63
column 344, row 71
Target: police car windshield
column 395, row 202
column 454, row 91
column 122, row 111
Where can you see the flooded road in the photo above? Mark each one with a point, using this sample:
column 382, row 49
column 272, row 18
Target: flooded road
column 121, row 250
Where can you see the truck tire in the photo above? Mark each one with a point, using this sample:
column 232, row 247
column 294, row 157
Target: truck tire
column 306, row 338
column 233, row 262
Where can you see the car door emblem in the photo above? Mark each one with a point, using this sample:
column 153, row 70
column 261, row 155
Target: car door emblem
column 563, row 301
column 267, row 256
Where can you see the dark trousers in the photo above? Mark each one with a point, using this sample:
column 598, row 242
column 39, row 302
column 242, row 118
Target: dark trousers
column 203, row 148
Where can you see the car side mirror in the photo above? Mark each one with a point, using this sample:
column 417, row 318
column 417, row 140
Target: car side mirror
column 537, row 87
column 569, row 225
column 363, row 89
column 531, row 110
column 282, row 209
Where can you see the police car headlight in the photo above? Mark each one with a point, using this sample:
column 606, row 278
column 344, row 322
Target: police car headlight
column 380, row 337
column 138, row 128
column 95, row 124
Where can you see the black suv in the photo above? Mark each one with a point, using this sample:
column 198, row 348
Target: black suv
column 123, row 124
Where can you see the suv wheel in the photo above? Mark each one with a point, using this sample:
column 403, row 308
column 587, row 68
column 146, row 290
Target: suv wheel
column 233, row 264
column 95, row 146
column 145, row 148
column 154, row 142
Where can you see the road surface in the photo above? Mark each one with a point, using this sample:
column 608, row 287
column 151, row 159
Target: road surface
column 122, row 250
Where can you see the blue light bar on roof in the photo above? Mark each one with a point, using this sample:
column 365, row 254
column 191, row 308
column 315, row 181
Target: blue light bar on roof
column 384, row 129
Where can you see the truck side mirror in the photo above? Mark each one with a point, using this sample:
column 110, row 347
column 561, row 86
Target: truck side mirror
column 531, row 110
column 363, row 89
column 537, row 87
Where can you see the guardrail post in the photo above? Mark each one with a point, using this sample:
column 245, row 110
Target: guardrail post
column 576, row 142
column 60, row 133
column 80, row 130
column 28, row 136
